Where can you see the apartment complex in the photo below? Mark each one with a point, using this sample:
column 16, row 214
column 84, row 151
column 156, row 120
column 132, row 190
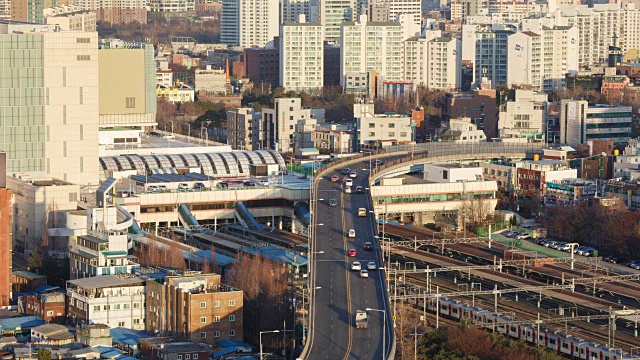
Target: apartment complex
column 395, row 8
column 196, row 306
column 367, row 46
column 292, row 9
column 301, row 56
column 249, row 23
column 132, row 105
column 241, row 123
column 6, row 229
column 55, row 115
column 116, row 11
column 525, row 118
column 70, row 18
column 487, row 48
column 381, row 130
column 117, row 301
column 580, row 123
column 168, row 7
column 31, row 10
column 434, row 63
column 542, row 60
column 331, row 14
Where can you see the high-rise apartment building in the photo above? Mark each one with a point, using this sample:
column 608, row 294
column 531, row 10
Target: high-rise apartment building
column 55, row 113
column 32, row 10
column 171, row 6
column 487, row 48
column 367, row 46
column 241, row 123
column 6, row 228
column 542, row 60
column 399, row 7
column 433, row 62
column 331, row 14
column 581, row 123
column 196, row 306
column 292, row 9
column 116, row 11
column 249, row 23
column 70, row 18
column 301, row 56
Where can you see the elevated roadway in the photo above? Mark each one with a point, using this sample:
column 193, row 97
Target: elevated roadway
column 336, row 291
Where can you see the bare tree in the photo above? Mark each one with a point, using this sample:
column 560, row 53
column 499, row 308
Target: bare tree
column 407, row 322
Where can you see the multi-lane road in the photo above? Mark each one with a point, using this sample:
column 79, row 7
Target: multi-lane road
column 338, row 291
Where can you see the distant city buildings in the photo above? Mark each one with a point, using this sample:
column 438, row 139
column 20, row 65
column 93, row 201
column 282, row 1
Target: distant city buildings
column 381, row 130
column 301, row 56
column 331, row 14
column 249, row 23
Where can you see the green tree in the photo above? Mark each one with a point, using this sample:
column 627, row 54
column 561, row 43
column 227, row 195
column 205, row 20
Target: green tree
column 43, row 354
column 35, row 261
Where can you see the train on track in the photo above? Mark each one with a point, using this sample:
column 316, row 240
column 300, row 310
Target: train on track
column 565, row 344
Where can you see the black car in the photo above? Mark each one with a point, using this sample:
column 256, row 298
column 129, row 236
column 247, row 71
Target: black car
column 222, row 185
column 613, row 259
column 345, row 171
column 249, row 183
column 333, row 202
column 368, row 246
column 359, row 190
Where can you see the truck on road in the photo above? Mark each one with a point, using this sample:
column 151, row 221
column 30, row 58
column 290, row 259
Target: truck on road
column 361, row 319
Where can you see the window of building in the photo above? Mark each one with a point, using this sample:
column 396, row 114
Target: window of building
column 83, row 40
column 179, row 357
column 195, row 356
column 216, row 319
column 120, row 323
column 232, row 303
column 116, row 307
column 136, row 305
column 216, row 303
column 372, row 125
column 187, row 357
column 203, row 319
column 131, row 102
column 96, row 308
column 372, row 134
column 232, row 333
column 392, row 134
column 203, row 304
column 127, row 306
column 403, row 134
column 203, row 335
column 232, row 318
column 392, row 125
column 49, row 313
column 83, row 57
column 216, row 334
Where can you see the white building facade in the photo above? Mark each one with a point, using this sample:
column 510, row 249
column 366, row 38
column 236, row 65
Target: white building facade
column 525, row 118
column 331, row 14
column 301, row 56
column 580, row 123
column 367, row 46
column 381, row 130
column 292, row 9
column 249, row 23
column 487, row 48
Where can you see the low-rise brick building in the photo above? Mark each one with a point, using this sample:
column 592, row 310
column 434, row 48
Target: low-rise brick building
column 51, row 307
column 167, row 348
column 196, row 306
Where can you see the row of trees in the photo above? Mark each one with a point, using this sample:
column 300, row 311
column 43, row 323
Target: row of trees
column 613, row 229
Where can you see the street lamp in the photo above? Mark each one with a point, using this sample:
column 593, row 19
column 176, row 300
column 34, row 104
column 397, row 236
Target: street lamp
column 265, row 332
column 304, row 331
column 384, row 330
column 370, row 154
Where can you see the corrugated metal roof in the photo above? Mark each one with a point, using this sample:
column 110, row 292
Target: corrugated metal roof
column 21, row 322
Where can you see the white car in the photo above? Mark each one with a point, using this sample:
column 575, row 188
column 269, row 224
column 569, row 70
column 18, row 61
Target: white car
column 347, row 190
column 352, row 233
column 372, row 265
column 353, row 174
column 356, row 266
column 169, row 137
column 264, row 182
column 152, row 188
column 163, row 188
column 349, row 182
column 364, row 274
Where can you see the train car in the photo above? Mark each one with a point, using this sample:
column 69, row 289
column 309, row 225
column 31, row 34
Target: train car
column 569, row 344
column 469, row 311
column 551, row 340
column 500, row 321
column 445, row 306
column 530, row 333
column 483, row 318
column 589, row 351
column 516, row 331
column 456, row 309
column 433, row 303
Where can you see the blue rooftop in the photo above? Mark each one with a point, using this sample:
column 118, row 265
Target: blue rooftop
column 20, row 322
column 124, row 336
column 223, row 352
column 277, row 254
column 229, row 343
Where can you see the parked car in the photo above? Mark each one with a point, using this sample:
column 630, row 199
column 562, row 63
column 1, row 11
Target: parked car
column 371, row 265
column 163, row 188
column 634, row 264
column 541, row 241
column 368, row 246
column 359, row 189
column 333, row 202
column 352, row 233
column 199, row 185
column 169, row 137
column 523, row 236
column 584, row 250
column 249, row 183
column 550, row 244
column 183, row 186
column 356, row 266
column 264, row 182
column 558, row 245
column 613, row 259
column 222, row 185
column 588, row 252
column 364, row 274
column 335, row 178
column 564, row 247
column 154, row 134
column 353, row 253
column 578, row 249
column 152, row 188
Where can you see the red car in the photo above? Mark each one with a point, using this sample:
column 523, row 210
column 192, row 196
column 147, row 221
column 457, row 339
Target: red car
column 335, row 178
column 353, row 253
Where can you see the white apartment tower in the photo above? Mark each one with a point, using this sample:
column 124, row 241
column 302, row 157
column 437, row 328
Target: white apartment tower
column 367, row 46
column 301, row 56
column 331, row 14
column 489, row 47
column 54, row 115
column 433, row 62
column 249, row 23
column 542, row 59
